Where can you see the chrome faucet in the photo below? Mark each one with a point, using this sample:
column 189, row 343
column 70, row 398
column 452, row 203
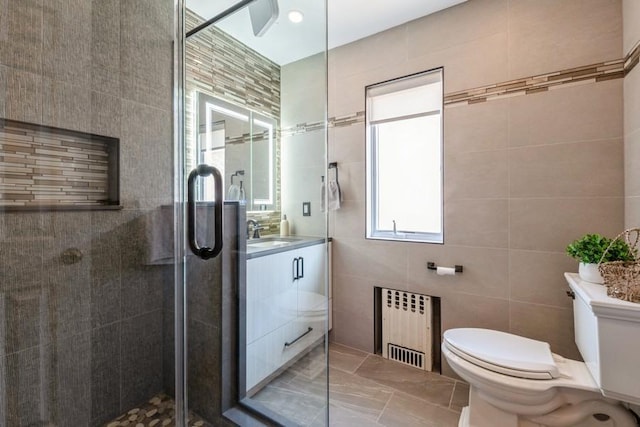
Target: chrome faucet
column 256, row 228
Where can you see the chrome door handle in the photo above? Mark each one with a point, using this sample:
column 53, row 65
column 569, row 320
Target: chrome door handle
column 204, row 171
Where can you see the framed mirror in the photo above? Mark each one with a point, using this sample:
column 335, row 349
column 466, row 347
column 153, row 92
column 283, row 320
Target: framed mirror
column 242, row 144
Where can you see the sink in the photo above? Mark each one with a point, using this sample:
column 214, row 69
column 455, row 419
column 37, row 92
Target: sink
column 269, row 244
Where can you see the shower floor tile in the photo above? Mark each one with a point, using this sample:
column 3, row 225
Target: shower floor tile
column 159, row 411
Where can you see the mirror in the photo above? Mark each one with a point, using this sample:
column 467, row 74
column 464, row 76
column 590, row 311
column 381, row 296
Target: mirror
column 241, row 144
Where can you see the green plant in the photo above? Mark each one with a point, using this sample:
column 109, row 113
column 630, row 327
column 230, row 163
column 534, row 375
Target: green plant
column 590, row 247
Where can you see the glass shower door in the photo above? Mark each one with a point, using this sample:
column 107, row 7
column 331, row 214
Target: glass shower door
column 257, row 314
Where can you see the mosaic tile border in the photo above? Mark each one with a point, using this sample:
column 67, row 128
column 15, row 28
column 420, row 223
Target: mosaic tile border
column 632, row 59
column 46, row 168
column 540, row 83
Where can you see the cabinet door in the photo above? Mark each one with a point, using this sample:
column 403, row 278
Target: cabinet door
column 314, row 269
column 271, row 294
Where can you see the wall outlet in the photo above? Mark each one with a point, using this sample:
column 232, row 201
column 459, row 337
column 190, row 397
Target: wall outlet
column 306, row 208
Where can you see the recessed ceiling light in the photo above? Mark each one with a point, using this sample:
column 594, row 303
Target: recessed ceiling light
column 296, row 16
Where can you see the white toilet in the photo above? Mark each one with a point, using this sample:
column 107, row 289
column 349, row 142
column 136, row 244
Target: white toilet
column 516, row 381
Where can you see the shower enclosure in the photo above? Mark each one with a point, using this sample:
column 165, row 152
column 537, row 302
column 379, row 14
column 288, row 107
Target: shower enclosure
column 124, row 290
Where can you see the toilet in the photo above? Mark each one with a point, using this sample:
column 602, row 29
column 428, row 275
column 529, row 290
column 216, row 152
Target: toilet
column 517, row 381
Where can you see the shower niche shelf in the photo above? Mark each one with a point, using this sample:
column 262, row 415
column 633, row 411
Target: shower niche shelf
column 47, row 168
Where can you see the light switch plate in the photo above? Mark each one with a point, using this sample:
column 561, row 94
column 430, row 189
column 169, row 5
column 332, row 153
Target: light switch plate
column 306, row 208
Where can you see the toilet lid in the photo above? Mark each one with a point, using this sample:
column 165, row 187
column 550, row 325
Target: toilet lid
column 504, row 353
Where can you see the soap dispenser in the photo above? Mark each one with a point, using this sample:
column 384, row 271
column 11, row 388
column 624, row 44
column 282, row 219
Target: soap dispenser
column 284, row 227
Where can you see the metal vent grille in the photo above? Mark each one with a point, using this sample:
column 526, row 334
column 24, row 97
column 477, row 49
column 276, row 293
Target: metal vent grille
column 406, row 356
column 407, row 328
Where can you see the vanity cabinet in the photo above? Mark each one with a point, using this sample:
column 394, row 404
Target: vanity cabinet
column 286, row 308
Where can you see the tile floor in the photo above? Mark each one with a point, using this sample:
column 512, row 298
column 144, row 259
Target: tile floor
column 364, row 390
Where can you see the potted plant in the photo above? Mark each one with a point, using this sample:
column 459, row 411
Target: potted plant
column 589, row 250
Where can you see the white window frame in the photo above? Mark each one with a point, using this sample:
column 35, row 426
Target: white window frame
column 372, row 231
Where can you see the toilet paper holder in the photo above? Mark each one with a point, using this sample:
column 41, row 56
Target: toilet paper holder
column 433, row 266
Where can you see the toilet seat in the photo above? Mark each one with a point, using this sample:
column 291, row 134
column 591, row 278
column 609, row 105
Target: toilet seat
column 503, row 353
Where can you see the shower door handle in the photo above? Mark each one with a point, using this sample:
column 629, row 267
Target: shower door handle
column 204, row 171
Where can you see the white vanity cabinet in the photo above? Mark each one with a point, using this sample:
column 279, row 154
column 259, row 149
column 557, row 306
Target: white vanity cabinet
column 286, row 308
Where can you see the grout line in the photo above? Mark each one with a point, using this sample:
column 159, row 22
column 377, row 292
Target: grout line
column 453, row 392
column 360, row 365
column 393, row 393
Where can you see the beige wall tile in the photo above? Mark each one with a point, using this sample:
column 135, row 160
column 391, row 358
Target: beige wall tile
column 498, row 240
column 476, row 63
column 352, row 180
column 485, row 271
column 632, row 212
column 350, row 220
column 578, row 113
column 457, row 25
column 477, row 127
column 480, row 174
column 632, row 164
column 547, row 35
column 632, row 101
column 347, row 144
column 549, row 324
column 584, row 169
column 630, row 25
column 464, row 311
column 303, row 91
column 361, row 56
column 380, row 261
column 476, row 222
column 537, row 277
column 551, row 224
column 354, row 330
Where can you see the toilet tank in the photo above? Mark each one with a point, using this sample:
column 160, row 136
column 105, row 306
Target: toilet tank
column 607, row 333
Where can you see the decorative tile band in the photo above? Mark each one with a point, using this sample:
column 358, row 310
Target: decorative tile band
column 540, row 83
column 587, row 74
column 333, row 122
column 48, row 167
column 632, row 59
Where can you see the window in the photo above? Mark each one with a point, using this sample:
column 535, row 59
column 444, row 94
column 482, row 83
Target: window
column 404, row 158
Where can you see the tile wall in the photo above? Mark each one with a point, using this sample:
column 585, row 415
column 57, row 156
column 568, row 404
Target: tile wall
column 48, row 167
column 304, row 136
column 241, row 76
column 82, row 342
column 524, row 175
column 631, row 42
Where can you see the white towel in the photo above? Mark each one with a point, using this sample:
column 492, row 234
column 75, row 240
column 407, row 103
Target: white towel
column 334, row 195
column 323, row 192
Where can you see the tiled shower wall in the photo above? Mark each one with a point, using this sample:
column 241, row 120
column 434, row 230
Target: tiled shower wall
column 238, row 75
column 631, row 40
column 524, row 175
column 82, row 342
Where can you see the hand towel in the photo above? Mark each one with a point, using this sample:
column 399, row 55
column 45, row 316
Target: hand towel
column 334, row 195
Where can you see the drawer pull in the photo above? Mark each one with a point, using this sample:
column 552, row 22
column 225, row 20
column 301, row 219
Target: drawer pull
column 289, row 344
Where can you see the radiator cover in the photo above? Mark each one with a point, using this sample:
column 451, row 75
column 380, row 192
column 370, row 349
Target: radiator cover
column 407, row 328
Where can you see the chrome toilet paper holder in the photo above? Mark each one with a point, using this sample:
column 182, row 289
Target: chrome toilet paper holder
column 433, row 266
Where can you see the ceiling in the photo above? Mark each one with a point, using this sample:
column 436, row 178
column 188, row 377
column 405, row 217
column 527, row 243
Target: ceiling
column 349, row 20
